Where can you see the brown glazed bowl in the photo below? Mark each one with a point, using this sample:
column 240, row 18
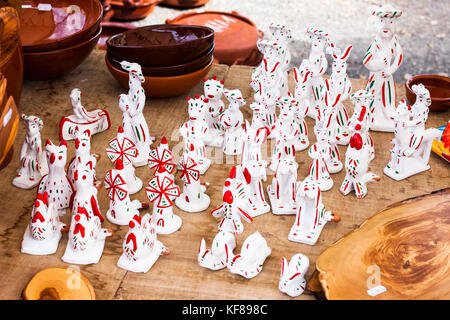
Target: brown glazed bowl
column 162, row 87
column 54, row 64
column 39, row 32
column 180, row 69
column 184, row 3
column 161, row 45
column 109, row 29
column 129, row 10
column 439, row 87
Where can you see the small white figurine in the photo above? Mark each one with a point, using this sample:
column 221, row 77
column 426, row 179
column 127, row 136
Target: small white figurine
column 249, row 262
column 33, row 164
column 121, row 208
column 141, row 248
column 382, row 59
column 360, row 149
column 161, row 157
column 95, row 121
column 231, row 121
column 44, row 231
column 292, row 278
column 56, row 183
column 213, row 90
column 161, row 191
column 123, row 148
column 86, row 239
column 220, row 254
column 412, row 143
column 195, row 132
column 136, row 99
column 311, row 215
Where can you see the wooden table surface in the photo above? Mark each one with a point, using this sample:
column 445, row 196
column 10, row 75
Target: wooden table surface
column 178, row 276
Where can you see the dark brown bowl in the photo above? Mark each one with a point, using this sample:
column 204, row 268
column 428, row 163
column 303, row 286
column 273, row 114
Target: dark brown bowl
column 184, row 3
column 54, row 64
column 132, row 10
column 439, row 87
column 39, row 32
column 161, row 45
column 110, row 29
column 184, row 68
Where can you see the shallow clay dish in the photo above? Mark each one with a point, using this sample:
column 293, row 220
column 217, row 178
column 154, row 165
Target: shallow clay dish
column 184, row 68
column 54, row 64
column 129, row 10
column 59, row 283
column 76, row 21
column 235, row 35
column 161, row 45
column 439, row 87
column 184, row 3
column 162, row 87
column 110, row 29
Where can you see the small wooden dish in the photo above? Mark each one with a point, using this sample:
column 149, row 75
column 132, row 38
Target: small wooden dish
column 439, row 87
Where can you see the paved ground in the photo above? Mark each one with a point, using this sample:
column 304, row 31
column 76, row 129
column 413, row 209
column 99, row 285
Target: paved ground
column 423, row 29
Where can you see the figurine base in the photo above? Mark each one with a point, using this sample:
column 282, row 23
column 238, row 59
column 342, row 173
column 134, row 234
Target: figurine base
column 249, row 271
column 140, row 161
column 279, row 209
column 324, row 184
column 141, row 265
column 123, row 221
column 39, row 247
column 134, row 187
column 383, row 125
column 88, row 256
column 411, row 167
column 296, row 235
column 169, row 228
column 197, row 206
column 25, row 183
column 259, row 210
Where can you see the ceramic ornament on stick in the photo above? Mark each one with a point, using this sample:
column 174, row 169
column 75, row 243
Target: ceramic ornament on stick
column 121, row 208
column 141, row 249
column 220, row 254
column 44, row 231
column 136, row 99
column 161, row 157
column 292, row 279
column 232, row 120
column 33, row 164
column 360, row 149
column 412, row 143
column 161, row 191
column 56, row 183
column 123, row 148
column 86, row 239
column 383, row 57
column 95, row 121
column 195, row 132
column 213, row 90
column 311, row 215
column 249, row 262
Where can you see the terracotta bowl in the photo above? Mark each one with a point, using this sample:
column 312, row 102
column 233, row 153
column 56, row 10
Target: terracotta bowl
column 184, row 3
column 39, row 32
column 161, row 45
column 162, row 87
column 439, row 87
column 110, row 29
column 132, row 10
column 184, row 68
column 54, row 64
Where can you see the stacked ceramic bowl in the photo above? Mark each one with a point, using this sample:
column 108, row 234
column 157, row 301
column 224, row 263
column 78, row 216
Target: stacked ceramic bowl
column 58, row 35
column 173, row 58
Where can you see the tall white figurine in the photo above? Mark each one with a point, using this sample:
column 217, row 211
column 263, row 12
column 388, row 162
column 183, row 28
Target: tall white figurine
column 311, row 215
column 360, row 149
column 195, row 131
column 33, row 164
column 141, row 248
column 161, row 191
column 213, row 90
column 283, row 36
column 292, row 277
column 123, row 148
column 136, row 95
column 220, row 254
column 412, row 143
column 232, row 120
column 44, row 231
column 121, row 208
column 383, row 57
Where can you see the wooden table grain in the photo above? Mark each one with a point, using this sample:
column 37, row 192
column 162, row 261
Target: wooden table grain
column 178, row 276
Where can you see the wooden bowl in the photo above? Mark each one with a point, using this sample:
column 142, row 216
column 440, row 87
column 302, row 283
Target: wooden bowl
column 184, row 3
column 54, row 64
column 439, row 87
column 161, row 45
column 181, row 69
column 162, row 87
column 110, row 29
column 130, row 10
column 39, row 32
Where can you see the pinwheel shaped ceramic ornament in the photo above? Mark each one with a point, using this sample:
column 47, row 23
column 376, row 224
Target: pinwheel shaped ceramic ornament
column 114, row 185
column 161, row 157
